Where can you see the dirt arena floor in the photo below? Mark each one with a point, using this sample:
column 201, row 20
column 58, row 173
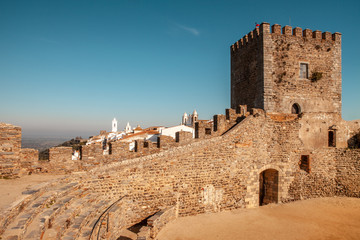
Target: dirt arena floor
column 315, row 219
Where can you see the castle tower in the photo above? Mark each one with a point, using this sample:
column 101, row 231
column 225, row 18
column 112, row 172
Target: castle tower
column 114, row 125
column 287, row 70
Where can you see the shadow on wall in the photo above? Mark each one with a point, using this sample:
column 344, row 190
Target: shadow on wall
column 354, row 141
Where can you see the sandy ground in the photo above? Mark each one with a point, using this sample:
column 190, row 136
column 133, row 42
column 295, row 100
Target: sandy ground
column 315, row 219
column 11, row 189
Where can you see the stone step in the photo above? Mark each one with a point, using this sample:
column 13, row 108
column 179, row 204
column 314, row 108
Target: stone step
column 27, row 198
column 47, row 197
column 41, row 221
column 63, row 222
column 18, row 226
column 93, row 213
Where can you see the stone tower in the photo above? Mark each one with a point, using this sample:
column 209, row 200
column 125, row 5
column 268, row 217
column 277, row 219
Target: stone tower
column 287, row 70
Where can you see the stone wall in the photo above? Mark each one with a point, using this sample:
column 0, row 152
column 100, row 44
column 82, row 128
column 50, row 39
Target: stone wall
column 284, row 87
column 224, row 172
column 203, row 129
column 183, row 137
column 29, row 158
column 92, row 154
column 165, row 142
column 10, row 145
column 209, row 175
column 258, row 161
column 145, row 147
column 315, row 129
column 348, row 172
column 247, row 64
column 61, row 161
column 120, row 149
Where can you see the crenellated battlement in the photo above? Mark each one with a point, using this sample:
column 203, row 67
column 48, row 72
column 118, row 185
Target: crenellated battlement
column 264, row 28
column 248, row 38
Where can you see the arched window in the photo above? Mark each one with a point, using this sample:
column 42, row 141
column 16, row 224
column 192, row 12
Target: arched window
column 295, row 109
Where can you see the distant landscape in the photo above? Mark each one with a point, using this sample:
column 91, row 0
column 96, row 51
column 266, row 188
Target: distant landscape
column 41, row 143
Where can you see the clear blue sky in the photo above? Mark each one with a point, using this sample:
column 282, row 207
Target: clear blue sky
column 68, row 67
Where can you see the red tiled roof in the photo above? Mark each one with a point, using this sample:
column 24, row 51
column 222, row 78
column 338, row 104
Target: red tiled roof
column 141, row 133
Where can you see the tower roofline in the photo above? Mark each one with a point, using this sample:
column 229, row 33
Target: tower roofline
column 286, row 30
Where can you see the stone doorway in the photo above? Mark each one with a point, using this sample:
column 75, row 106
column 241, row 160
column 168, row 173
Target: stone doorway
column 269, row 185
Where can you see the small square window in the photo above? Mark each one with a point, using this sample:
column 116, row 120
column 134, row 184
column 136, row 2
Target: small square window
column 304, row 70
column 208, row 131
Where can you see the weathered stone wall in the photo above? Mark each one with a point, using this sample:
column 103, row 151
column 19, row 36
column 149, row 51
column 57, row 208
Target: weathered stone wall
column 203, row 129
column 10, row 145
column 284, row 87
column 258, row 161
column 183, row 137
column 348, row 172
column 209, row 175
column 334, row 172
column 144, row 147
column 247, row 63
column 224, row 172
column 267, row 67
column 120, row 149
column 315, row 129
column 93, row 154
column 60, row 160
column 165, row 142
column 29, row 158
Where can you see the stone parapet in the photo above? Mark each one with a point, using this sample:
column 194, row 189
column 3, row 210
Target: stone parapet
column 10, row 145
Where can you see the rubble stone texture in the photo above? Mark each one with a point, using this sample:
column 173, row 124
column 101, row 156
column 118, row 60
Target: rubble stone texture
column 10, row 145
column 60, row 159
column 29, row 158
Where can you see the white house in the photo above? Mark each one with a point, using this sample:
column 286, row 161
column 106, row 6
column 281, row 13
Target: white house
column 171, row 131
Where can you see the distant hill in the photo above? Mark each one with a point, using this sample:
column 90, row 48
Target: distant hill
column 41, row 143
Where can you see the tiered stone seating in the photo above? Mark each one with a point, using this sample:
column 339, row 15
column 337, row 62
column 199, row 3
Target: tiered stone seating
column 33, row 211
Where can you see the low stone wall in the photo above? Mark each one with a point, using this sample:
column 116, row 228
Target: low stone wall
column 61, row 161
column 183, row 137
column 348, row 172
column 29, row 158
column 160, row 219
column 10, row 145
column 203, row 130
column 92, row 155
column 120, row 150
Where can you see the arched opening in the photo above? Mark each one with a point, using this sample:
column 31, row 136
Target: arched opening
column 268, row 189
column 295, row 109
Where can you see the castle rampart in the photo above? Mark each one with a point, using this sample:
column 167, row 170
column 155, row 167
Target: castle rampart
column 10, row 145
